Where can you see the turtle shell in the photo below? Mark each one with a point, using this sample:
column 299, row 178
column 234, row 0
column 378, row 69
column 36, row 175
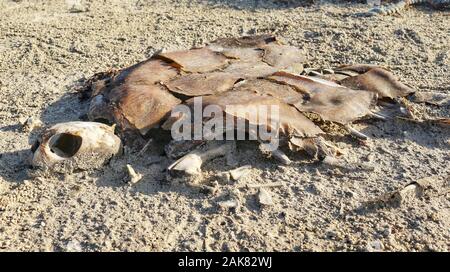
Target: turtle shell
column 238, row 73
column 140, row 97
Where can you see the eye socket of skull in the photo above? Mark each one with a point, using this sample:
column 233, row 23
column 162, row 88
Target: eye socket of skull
column 65, row 145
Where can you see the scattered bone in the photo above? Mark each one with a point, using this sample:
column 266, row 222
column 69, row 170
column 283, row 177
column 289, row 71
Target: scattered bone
column 238, row 173
column 83, row 145
column 411, row 191
column 228, row 204
column 133, row 177
column 266, row 185
column 315, row 147
column 191, row 163
column 334, row 149
column 408, row 193
column 76, row 6
column 264, row 197
column 378, row 116
column 31, row 124
column 356, row 133
column 145, row 148
column 208, row 189
column 314, row 73
column 281, row 157
column 332, row 161
column 438, row 99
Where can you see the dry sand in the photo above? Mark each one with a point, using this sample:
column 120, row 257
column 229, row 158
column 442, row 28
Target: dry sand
column 47, row 51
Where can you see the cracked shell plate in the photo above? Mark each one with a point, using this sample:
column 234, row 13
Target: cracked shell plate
column 328, row 99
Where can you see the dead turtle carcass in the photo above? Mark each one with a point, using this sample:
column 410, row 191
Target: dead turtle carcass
column 238, row 79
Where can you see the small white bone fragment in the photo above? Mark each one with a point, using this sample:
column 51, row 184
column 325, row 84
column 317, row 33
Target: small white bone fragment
column 356, row 133
column 411, row 191
column 334, row 149
column 228, row 204
column 31, row 124
column 144, row 149
column 191, row 163
column 84, row 145
column 266, row 185
column 408, row 193
column 264, row 197
column 238, row 173
column 281, row 157
column 132, row 175
column 76, row 6
column 379, row 116
column 332, row 161
column 276, row 154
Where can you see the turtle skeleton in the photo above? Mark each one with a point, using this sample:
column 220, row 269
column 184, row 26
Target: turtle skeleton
column 238, row 73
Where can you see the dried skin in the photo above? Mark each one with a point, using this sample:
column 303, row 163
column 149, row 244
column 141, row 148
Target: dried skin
column 144, row 73
column 327, row 99
column 143, row 106
column 379, row 81
column 341, row 105
column 147, row 72
column 249, row 54
column 281, row 91
column 246, row 49
column 282, row 56
column 238, row 103
column 135, row 98
column 250, row 70
column 202, row 84
column 200, row 60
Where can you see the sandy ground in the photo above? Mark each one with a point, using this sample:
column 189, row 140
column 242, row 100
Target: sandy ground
column 47, row 51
